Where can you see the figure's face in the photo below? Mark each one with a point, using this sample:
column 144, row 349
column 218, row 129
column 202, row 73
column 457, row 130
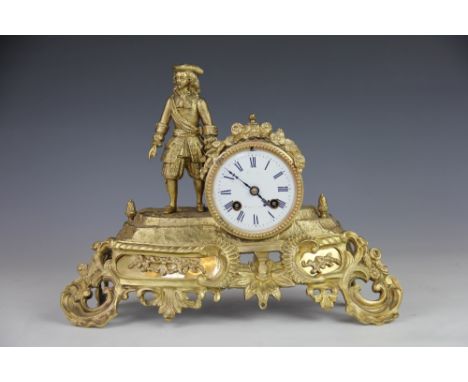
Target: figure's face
column 181, row 80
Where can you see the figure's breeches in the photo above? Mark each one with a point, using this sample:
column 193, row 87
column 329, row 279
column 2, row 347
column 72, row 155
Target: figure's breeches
column 175, row 170
column 184, row 147
column 183, row 152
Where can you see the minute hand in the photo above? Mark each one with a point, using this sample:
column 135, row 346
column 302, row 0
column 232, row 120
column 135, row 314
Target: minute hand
column 235, row 176
column 265, row 202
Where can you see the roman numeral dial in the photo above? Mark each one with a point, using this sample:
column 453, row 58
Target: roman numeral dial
column 254, row 191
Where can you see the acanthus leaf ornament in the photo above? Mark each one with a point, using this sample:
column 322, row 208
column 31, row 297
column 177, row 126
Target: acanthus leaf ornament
column 170, row 301
column 320, row 263
column 326, row 297
column 263, row 279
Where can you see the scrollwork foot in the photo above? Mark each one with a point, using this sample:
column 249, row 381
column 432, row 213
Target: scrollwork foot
column 94, row 281
column 76, row 297
column 365, row 264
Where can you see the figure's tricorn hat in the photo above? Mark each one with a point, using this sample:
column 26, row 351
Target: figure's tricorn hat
column 188, row 68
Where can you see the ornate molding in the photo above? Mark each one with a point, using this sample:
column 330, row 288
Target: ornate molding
column 326, row 264
column 253, row 130
column 167, row 265
column 356, row 262
column 319, row 263
column 96, row 282
column 123, row 246
column 366, row 265
column 294, row 248
column 326, row 297
column 171, row 301
column 263, row 278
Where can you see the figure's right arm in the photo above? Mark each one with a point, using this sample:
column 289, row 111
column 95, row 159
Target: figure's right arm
column 161, row 129
column 163, row 124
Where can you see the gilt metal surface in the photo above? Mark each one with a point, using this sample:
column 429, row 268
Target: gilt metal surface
column 170, row 258
column 193, row 134
column 171, row 261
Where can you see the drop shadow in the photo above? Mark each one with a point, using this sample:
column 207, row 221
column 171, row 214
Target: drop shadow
column 233, row 307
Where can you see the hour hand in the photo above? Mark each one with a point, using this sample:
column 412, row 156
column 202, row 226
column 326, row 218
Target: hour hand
column 265, row 202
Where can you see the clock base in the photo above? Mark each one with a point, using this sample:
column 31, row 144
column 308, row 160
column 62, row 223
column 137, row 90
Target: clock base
column 172, row 261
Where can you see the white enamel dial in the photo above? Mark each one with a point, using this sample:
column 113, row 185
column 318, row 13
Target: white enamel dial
column 255, row 190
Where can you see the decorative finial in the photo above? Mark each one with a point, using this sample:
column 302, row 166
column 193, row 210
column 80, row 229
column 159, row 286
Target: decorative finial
column 252, row 119
column 131, row 210
column 323, row 206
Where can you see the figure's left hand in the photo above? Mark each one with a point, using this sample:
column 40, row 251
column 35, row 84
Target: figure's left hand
column 207, row 143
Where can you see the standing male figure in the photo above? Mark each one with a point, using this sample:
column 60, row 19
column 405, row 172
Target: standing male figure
column 186, row 148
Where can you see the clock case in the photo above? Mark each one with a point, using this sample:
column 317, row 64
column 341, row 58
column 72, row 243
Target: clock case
column 172, row 261
column 249, row 145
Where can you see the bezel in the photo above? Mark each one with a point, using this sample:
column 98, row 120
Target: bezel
column 244, row 146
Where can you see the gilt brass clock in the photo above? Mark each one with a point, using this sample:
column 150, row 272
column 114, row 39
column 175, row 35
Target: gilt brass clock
column 254, row 190
column 172, row 257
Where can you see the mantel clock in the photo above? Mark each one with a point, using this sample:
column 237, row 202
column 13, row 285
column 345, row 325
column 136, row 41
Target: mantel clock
column 252, row 181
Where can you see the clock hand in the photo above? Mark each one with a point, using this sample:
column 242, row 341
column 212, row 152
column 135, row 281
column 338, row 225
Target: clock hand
column 253, row 190
column 265, row 202
column 235, row 176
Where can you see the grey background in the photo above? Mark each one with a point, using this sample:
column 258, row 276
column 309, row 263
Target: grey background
column 383, row 124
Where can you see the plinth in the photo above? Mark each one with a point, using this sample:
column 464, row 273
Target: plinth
column 172, row 261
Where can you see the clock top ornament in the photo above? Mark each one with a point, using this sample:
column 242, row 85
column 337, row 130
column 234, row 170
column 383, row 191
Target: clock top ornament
column 171, row 257
column 250, row 131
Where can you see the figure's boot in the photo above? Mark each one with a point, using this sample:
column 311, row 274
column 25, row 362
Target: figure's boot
column 198, row 183
column 171, row 186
